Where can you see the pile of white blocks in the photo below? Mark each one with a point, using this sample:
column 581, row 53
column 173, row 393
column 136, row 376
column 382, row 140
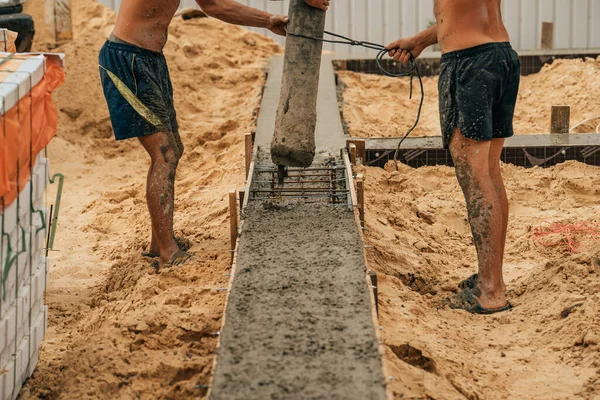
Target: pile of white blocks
column 23, row 278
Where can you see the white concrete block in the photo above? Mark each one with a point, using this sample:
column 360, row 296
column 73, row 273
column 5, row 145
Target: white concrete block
column 38, row 203
column 8, row 328
column 39, row 181
column 43, row 160
column 23, row 310
column 9, row 351
column 7, row 379
column 25, row 199
column 37, row 258
column 23, row 265
column 39, row 221
column 38, row 284
column 10, row 240
column 37, row 330
column 37, row 309
column 10, row 217
column 9, row 298
column 22, row 361
column 33, row 360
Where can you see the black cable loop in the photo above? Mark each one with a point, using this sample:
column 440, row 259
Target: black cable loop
column 412, row 70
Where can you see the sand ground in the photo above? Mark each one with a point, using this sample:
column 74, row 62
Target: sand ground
column 119, row 330
column 422, row 247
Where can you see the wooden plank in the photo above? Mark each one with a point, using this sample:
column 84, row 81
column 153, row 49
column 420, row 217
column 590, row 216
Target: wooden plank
column 62, row 20
column 361, row 151
column 350, row 179
column 293, row 143
column 562, row 25
column 248, row 186
column 233, row 222
column 224, row 318
column 360, row 197
column 511, row 14
column 392, row 14
column 242, row 198
column 352, row 147
column 518, row 141
column 579, row 23
column 547, row 41
column 375, row 19
column 410, row 25
column 341, row 23
column 528, row 28
column 561, row 119
column 594, row 28
column 248, row 150
column 385, row 367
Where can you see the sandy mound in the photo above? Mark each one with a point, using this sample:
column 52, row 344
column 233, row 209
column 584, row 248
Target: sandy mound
column 116, row 327
column 547, row 347
column 378, row 106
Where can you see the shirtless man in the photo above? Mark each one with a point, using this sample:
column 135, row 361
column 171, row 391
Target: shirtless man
column 478, row 86
column 139, row 94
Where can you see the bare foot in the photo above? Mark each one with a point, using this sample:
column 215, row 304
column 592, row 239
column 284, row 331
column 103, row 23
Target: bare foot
column 320, row 4
column 472, row 282
column 467, row 300
column 183, row 243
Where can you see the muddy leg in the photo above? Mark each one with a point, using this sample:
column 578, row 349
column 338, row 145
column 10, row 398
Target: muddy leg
column 154, row 244
column 471, row 159
column 165, row 154
column 494, row 160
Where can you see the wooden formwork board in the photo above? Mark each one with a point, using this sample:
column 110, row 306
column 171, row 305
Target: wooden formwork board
column 381, row 346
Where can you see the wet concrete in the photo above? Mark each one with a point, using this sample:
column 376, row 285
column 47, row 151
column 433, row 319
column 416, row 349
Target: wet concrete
column 298, row 321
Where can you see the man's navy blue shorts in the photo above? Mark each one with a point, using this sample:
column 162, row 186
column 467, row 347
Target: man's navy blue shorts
column 138, row 90
column 478, row 90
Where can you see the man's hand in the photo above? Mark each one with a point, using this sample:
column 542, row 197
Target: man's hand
column 277, row 24
column 320, row 4
column 400, row 50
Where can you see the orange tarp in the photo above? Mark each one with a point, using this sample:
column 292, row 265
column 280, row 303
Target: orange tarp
column 25, row 130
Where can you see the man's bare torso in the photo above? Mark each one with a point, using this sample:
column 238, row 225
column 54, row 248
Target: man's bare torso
column 145, row 23
column 467, row 23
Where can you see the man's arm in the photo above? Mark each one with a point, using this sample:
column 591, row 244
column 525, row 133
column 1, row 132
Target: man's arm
column 400, row 50
column 233, row 12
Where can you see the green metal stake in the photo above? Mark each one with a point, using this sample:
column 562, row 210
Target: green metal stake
column 61, row 179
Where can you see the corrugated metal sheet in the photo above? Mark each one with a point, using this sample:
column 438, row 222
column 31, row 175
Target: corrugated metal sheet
column 577, row 22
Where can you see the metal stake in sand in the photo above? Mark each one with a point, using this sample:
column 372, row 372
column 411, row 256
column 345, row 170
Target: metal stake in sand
column 561, row 119
column 282, row 173
column 242, row 197
column 233, row 221
column 360, row 197
column 293, row 143
column 373, row 277
column 352, row 147
column 248, row 148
